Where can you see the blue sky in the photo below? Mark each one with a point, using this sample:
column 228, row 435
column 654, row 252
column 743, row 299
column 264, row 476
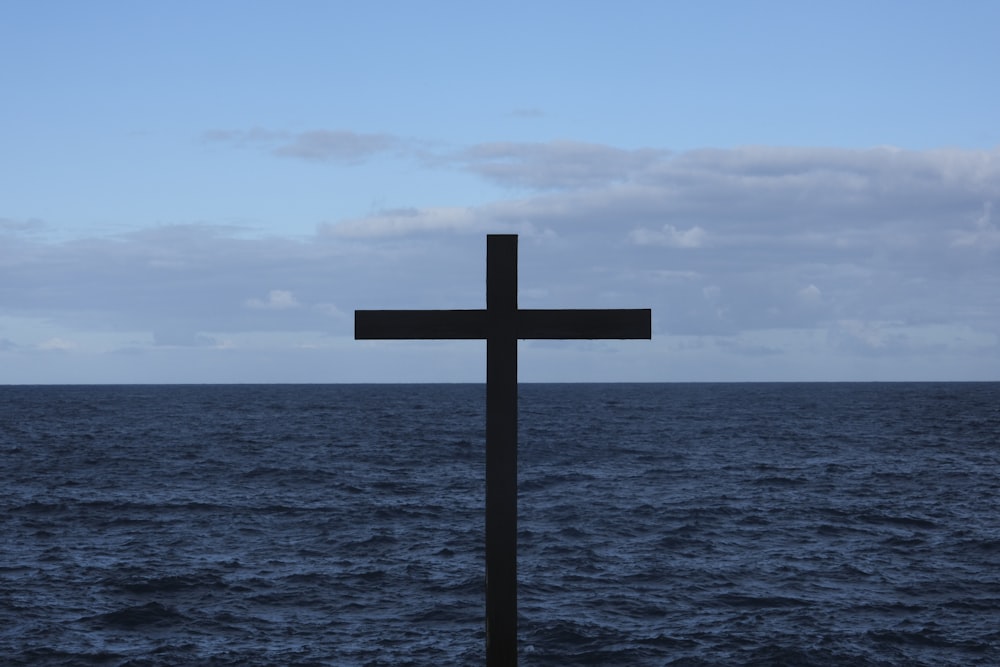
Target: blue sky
column 205, row 192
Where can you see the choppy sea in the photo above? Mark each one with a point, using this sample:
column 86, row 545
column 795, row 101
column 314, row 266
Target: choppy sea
column 660, row 524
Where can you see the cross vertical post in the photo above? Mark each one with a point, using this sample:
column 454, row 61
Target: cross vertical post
column 501, row 324
column 501, row 450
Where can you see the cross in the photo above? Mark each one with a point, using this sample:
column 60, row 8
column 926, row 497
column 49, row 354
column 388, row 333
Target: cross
column 501, row 324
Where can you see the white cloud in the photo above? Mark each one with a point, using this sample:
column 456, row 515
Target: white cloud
column 329, row 310
column 810, row 294
column 57, row 344
column 669, row 236
column 398, row 222
column 277, row 299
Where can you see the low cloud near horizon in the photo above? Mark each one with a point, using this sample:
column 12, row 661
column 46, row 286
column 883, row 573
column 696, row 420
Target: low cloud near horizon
column 760, row 263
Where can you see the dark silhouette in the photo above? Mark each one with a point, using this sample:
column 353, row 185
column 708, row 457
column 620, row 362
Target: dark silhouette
column 501, row 324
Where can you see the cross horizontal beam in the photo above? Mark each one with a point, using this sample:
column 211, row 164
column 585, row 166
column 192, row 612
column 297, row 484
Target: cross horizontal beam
column 583, row 324
column 419, row 324
column 586, row 324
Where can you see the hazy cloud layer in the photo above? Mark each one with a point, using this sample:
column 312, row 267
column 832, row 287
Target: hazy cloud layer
column 557, row 164
column 812, row 263
column 316, row 145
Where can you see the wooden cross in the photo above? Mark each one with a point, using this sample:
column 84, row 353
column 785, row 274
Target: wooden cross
column 501, row 324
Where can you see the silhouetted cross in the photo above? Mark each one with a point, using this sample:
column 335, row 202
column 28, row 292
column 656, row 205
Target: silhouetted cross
column 501, row 324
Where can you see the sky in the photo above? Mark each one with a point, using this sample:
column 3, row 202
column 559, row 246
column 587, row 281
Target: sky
column 205, row 192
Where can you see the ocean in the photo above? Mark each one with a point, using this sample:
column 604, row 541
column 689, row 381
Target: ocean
column 660, row 524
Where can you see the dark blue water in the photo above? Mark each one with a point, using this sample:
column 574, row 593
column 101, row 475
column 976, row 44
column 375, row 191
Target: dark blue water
column 733, row 524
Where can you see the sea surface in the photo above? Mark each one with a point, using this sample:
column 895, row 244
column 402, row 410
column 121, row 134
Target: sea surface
column 660, row 524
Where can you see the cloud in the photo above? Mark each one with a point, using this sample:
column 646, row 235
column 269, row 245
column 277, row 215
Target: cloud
column 764, row 186
column 527, row 112
column 29, row 226
column 177, row 335
column 243, row 138
column 342, row 146
column 177, row 282
column 59, row 344
column 556, row 164
column 329, row 310
column 669, row 236
column 984, row 234
column 886, row 230
column 834, row 254
column 276, row 300
column 810, row 294
column 400, row 222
